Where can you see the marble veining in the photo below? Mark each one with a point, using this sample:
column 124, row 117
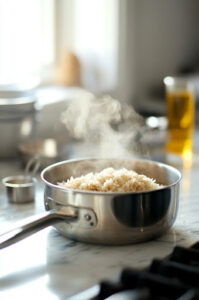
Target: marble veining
column 49, row 266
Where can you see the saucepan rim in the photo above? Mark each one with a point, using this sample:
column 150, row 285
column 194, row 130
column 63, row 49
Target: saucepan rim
column 19, row 181
column 169, row 167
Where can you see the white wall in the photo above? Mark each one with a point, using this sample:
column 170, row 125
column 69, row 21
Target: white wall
column 160, row 37
column 95, row 42
column 126, row 47
column 89, row 28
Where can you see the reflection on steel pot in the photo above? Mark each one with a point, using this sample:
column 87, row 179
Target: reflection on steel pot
column 14, row 131
column 105, row 218
column 17, row 123
column 17, row 115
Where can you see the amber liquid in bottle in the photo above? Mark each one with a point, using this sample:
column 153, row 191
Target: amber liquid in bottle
column 180, row 114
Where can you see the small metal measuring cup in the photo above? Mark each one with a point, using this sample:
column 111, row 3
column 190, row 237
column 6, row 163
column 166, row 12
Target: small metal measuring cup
column 21, row 188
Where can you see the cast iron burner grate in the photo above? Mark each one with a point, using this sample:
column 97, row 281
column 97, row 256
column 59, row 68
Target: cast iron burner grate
column 174, row 278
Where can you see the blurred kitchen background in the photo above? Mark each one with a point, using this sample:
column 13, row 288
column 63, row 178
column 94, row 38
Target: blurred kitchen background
column 52, row 50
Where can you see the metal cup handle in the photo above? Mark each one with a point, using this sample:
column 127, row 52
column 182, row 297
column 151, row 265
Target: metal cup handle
column 35, row 223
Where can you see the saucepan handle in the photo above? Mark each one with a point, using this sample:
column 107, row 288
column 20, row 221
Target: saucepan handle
column 35, row 223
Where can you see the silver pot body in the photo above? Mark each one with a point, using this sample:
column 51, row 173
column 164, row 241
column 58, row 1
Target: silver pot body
column 113, row 218
column 17, row 123
column 15, row 131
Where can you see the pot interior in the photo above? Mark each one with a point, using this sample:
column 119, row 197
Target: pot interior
column 162, row 173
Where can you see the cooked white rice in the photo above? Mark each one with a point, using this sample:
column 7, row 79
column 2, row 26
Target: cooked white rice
column 112, row 180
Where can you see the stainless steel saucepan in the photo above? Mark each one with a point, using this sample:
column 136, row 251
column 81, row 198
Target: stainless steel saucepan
column 104, row 218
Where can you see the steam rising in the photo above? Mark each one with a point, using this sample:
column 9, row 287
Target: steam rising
column 111, row 128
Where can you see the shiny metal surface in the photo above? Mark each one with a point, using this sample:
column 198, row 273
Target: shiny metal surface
column 12, row 106
column 106, row 218
column 15, row 129
column 122, row 217
column 20, row 188
column 17, row 117
column 35, row 223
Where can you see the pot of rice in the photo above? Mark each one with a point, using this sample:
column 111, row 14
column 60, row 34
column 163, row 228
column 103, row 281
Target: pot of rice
column 107, row 201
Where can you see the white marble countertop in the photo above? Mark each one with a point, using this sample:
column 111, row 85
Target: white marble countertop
column 49, row 266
